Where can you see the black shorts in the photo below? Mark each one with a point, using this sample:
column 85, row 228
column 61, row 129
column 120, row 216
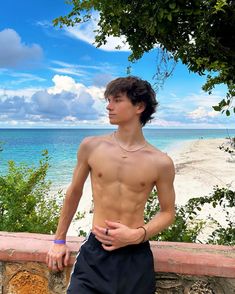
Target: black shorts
column 127, row 270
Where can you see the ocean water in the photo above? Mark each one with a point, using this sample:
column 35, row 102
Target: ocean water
column 26, row 145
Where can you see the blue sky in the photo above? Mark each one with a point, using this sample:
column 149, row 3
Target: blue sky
column 52, row 77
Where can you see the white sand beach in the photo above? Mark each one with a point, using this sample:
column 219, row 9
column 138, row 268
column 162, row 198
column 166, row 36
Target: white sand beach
column 199, row 166
column 85, row 206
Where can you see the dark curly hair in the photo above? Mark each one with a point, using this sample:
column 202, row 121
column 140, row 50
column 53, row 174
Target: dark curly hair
column 137, row 90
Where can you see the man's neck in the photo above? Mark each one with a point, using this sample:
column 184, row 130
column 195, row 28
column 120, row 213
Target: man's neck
column 130, row 136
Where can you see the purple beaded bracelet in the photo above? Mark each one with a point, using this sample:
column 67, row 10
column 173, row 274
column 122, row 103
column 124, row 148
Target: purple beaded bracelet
column 59, row 241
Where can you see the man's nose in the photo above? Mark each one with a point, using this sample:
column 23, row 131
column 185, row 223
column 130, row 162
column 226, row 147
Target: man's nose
column 109, row 106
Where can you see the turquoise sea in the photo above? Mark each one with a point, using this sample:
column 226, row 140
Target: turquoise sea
column 26, row 145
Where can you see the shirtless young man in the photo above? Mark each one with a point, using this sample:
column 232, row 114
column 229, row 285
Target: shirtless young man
column 124, row 168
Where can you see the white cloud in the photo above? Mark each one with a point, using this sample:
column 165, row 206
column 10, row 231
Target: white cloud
column 17, row 78
column 198, row 113
column 69, row 65
column 24, row 92
column 13, row 123
column 158, row 122
column 69, row 71
column 65, row 83
column 213, row 113
column 191, row 111
column 85, row 32
column 44, row 24
column 66, row 102
column 70, row 118
column 99, row 74
column 202, row 113
column 14, row 53
column 71, row 104
column 203, row 99
column 96, row 92
column 26, row 77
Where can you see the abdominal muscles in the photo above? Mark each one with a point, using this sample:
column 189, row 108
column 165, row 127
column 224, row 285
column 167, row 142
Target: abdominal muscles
column 120, row 203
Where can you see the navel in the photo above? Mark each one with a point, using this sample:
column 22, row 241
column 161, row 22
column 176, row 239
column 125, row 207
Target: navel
column 99, row 175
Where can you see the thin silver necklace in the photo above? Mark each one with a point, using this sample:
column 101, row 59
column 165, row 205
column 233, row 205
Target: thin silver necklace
column 123, row 148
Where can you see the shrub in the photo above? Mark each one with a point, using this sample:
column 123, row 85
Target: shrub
column 182, row 230
column 25, row 202
column 223, row 198
column 188, row 226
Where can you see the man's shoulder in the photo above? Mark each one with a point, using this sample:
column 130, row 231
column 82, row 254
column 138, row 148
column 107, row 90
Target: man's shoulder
column 94, row 140
column 162, row 158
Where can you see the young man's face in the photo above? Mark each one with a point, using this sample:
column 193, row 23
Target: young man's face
column 121, row 110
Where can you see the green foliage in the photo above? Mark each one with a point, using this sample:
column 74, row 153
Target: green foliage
column 188, row 226
column 199, row 33
column 82, row 233
column 80, row 215
column 25, row 203
column 185, row 227
column 229, row 148
column 226, row 149
column 225, row 199
column 225, row 105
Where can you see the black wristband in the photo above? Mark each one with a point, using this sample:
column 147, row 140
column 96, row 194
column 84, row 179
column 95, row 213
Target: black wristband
column 145, row 232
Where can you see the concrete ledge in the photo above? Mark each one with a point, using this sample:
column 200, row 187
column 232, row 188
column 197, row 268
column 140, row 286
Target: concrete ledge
column 194, row 259
column 170, row 257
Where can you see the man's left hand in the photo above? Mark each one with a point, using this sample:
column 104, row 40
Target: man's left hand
column 116, row 235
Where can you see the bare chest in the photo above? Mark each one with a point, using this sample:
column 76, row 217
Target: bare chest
column 131, row 169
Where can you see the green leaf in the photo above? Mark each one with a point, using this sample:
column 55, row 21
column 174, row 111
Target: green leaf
column 216, row 108
column 227, row 112
column 172, row 5
column 169, row 17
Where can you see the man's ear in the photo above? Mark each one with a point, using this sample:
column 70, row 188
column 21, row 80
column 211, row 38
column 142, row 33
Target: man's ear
column 140, row 107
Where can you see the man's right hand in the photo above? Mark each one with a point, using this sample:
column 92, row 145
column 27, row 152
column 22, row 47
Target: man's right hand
column 57, row 257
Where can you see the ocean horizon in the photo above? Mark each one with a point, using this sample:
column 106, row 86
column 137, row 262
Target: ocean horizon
column 26, row 145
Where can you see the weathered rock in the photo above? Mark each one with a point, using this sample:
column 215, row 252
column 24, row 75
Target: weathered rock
column 58, row 281
column 21, row 278
column 166, row 283
column 25, row 282
column 201, row 287
column 185, row 284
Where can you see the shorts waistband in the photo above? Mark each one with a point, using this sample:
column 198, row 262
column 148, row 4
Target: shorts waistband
column 93, row 241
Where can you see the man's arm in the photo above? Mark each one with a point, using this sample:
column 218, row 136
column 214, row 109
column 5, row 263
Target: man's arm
column 58, row 255
column 166, row 197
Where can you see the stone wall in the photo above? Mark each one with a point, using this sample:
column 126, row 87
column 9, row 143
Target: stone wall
column 180, row 267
